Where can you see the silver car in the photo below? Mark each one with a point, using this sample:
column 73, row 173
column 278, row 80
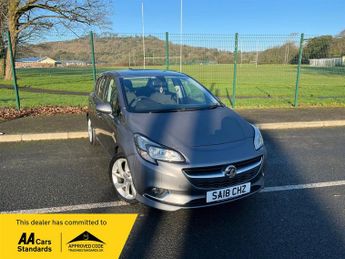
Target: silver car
column 173, row 144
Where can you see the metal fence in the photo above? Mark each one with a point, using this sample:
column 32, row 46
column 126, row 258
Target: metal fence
column 242, row 70
column 253, row 69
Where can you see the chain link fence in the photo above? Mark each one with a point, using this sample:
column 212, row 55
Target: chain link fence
column 49, row 73
column 267, row 69
column 242, row 70
column 323, row 70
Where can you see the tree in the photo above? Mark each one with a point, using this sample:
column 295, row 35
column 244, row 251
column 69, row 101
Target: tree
column 318, row 47
column 337, row 48
column 282, row 54
column 3, row 15
column 26, row 18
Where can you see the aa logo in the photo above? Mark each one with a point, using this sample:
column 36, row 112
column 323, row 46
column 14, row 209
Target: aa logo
column 31, row 243
column 27, row 240
column 86, row 242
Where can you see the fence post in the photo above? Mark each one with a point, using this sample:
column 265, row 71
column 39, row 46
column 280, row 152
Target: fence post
column 234, row 81
column 167, row 51
column 93, row 57
column 300, row 53
column 13, row 66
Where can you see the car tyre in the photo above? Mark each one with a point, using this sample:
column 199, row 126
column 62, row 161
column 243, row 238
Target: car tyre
column 121, row 178
column 91, row 133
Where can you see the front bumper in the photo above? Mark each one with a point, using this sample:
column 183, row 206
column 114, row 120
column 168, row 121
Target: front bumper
column 178, row 190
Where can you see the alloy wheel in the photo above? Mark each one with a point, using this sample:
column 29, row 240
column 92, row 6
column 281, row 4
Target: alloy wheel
column 122, row 179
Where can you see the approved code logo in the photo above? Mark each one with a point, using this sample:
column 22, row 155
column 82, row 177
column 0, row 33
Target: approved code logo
column 86, row 242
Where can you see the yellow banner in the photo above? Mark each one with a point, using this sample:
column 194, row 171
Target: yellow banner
column 64, row 235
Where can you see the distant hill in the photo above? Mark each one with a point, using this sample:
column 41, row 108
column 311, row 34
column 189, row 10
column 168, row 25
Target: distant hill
column 118, row 50
column 128, row 51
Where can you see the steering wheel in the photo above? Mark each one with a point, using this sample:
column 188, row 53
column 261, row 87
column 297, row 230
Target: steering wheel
column 137, row 99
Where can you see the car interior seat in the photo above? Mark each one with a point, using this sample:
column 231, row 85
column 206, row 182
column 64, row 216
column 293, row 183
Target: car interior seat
column 161, row 92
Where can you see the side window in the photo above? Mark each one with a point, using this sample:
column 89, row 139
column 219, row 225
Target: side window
column 110, row 90
column 98, row 83
column 100, row 87
column 115, row 99
column 103, row 95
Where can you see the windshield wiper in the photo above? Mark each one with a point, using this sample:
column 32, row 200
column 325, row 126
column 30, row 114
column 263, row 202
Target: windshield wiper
column 174, row 110
column 214, row 106
column 183, row 109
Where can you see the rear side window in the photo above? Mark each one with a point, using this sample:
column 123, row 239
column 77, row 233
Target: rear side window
column 110, row 89
column 99, row 91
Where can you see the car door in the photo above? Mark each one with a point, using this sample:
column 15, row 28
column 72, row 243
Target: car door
column 108, row 122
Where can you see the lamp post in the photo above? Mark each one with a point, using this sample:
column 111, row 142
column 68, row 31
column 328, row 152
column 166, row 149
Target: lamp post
column 143, row 32
column 181, row 20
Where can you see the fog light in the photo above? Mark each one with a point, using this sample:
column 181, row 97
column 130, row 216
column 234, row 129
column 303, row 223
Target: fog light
column 158, row 192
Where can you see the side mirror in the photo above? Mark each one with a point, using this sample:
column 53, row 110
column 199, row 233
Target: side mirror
column 104, row 108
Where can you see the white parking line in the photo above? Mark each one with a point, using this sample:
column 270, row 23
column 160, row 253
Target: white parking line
column 302, row 186
column 122, row 203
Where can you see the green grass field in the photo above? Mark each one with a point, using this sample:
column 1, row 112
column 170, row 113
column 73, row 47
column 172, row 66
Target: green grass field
column 263, row 86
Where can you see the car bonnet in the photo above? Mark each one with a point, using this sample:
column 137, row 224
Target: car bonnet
column 195, row 128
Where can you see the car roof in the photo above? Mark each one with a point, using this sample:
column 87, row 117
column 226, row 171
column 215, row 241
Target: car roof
column 143, row 72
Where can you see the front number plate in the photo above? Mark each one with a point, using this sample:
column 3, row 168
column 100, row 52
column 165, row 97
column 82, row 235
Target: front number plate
column 228, row 193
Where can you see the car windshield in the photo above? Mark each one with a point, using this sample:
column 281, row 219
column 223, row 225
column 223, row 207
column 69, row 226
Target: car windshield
column 166, row 93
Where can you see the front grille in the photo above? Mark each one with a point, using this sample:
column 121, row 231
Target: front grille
column 218, row 168
column 197, row 175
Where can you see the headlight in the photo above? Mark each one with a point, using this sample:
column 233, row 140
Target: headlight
column 152, row 151
column 258, row 140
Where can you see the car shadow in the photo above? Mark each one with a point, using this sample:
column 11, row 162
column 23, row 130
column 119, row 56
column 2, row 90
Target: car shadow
column 265, row 225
